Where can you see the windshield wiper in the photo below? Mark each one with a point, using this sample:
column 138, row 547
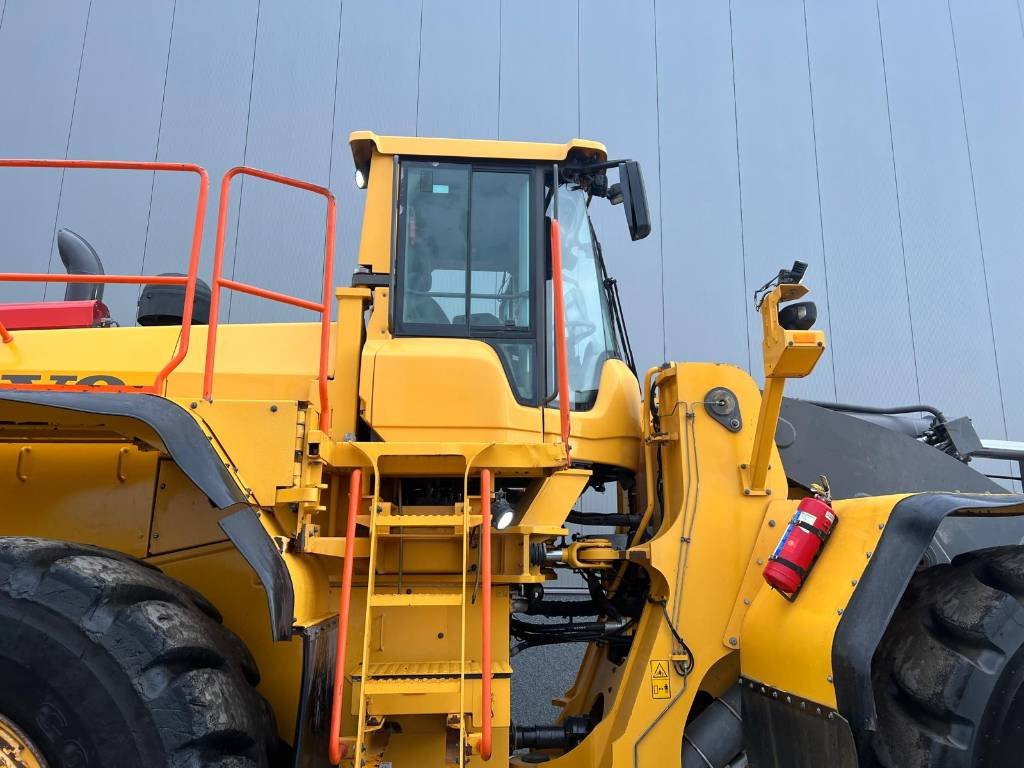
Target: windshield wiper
column 611, row 287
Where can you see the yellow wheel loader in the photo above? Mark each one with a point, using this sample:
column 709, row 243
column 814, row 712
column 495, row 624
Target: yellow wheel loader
column 321, row 543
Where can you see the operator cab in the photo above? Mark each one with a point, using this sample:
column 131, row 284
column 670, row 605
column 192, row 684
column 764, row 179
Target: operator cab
column 471, row 255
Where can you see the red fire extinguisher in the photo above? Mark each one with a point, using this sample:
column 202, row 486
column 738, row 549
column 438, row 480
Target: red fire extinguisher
column 801, row 543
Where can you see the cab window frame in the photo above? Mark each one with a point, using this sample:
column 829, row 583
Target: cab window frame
column 534, row 332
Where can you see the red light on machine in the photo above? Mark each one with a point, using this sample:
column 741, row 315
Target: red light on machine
column 800, row 546
column 46, row 315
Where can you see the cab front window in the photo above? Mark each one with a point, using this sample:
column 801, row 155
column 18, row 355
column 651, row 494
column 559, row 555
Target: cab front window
column 590, row 334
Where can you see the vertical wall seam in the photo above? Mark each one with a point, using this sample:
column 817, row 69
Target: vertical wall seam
column 326, row 300
column 67, row 145
column 661, row 217
column 739, row 189
column 3, row 13
column 821, row 216
column 501, row 5
column 579, row 72
column 159, row 133
column 899, row 203
column 334, row 100
column 977, row 216
column 419, row 69
column 245, row 150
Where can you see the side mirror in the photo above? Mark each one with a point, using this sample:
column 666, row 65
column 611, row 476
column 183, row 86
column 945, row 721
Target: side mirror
column 634, row 199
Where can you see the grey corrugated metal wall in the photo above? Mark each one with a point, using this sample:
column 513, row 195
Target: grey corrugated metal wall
column 879, row 141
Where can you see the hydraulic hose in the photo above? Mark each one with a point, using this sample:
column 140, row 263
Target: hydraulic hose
column 849, row 408
column 715, row 737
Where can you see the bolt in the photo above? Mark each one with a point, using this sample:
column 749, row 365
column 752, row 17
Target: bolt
column 163, row 486
column 881, row 526
column 820, row 344
column 868, row 554
column 760, row 561
column 831, row 715
column 746, row 601
column 790, row 344
column 273, row 409
column 734, row 423
column 829, row 678
column 789, row 699
column 440, row 635
column 839, row 611
column 746, row 491
column 156, row 534
column 853, row 583
column 771, row 523
column 767, row 491
column 733, row 641
column 743, row 466
column 193, row 405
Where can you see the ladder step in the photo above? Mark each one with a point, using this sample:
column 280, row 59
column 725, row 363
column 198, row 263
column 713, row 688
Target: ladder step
column 424, row 521
column 416, row 599
column 428, row 670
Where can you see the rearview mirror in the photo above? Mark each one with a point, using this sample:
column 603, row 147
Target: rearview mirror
column 633, row 196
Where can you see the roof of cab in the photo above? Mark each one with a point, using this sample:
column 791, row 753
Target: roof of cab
column 364, row 142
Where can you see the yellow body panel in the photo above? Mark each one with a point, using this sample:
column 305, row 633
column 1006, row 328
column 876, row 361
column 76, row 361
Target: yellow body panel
column 363, row 143
column 789, row 645
column 456, row 389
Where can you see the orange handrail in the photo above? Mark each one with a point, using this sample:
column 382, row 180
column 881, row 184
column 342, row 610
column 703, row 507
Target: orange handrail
column 355, row 490
column 189, row 280
column 485, row 610
column 324, row 307
column 560, row 353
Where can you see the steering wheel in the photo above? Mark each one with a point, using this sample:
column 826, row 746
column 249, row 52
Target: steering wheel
column 577, row 330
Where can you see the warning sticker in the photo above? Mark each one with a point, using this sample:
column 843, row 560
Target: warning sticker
column 661, row 686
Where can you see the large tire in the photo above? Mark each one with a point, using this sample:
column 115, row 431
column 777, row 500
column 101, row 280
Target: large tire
column 949, row 673
column 108, row 663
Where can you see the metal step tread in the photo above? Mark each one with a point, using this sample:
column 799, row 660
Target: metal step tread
column 424, row 521
column 415, row 599
column 429, row 670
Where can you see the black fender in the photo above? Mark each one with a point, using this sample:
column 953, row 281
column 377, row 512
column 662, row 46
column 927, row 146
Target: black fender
column 167, row 427
column 911, row 527
column 137, row 417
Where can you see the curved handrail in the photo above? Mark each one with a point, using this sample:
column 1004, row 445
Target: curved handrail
column 324, row 307
column 189, row 280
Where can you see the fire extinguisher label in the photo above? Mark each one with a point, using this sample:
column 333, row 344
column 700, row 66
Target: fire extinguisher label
column 806, row 517
column 661, row 683
column 782, row 541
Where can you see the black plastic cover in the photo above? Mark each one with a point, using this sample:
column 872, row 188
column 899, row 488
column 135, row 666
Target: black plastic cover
column 165, row 304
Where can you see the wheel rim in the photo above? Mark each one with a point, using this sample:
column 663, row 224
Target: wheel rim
column 17, row 749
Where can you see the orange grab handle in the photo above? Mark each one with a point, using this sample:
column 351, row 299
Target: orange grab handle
column 560, row 352
column 485, row 609
column 355, row 490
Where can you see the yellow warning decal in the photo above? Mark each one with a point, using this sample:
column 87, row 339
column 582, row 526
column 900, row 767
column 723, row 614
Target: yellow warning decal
column 661, row 684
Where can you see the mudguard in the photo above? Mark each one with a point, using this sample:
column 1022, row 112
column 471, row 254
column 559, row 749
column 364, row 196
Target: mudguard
column 140, row 417
column 167, row 427
column 911, row 527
